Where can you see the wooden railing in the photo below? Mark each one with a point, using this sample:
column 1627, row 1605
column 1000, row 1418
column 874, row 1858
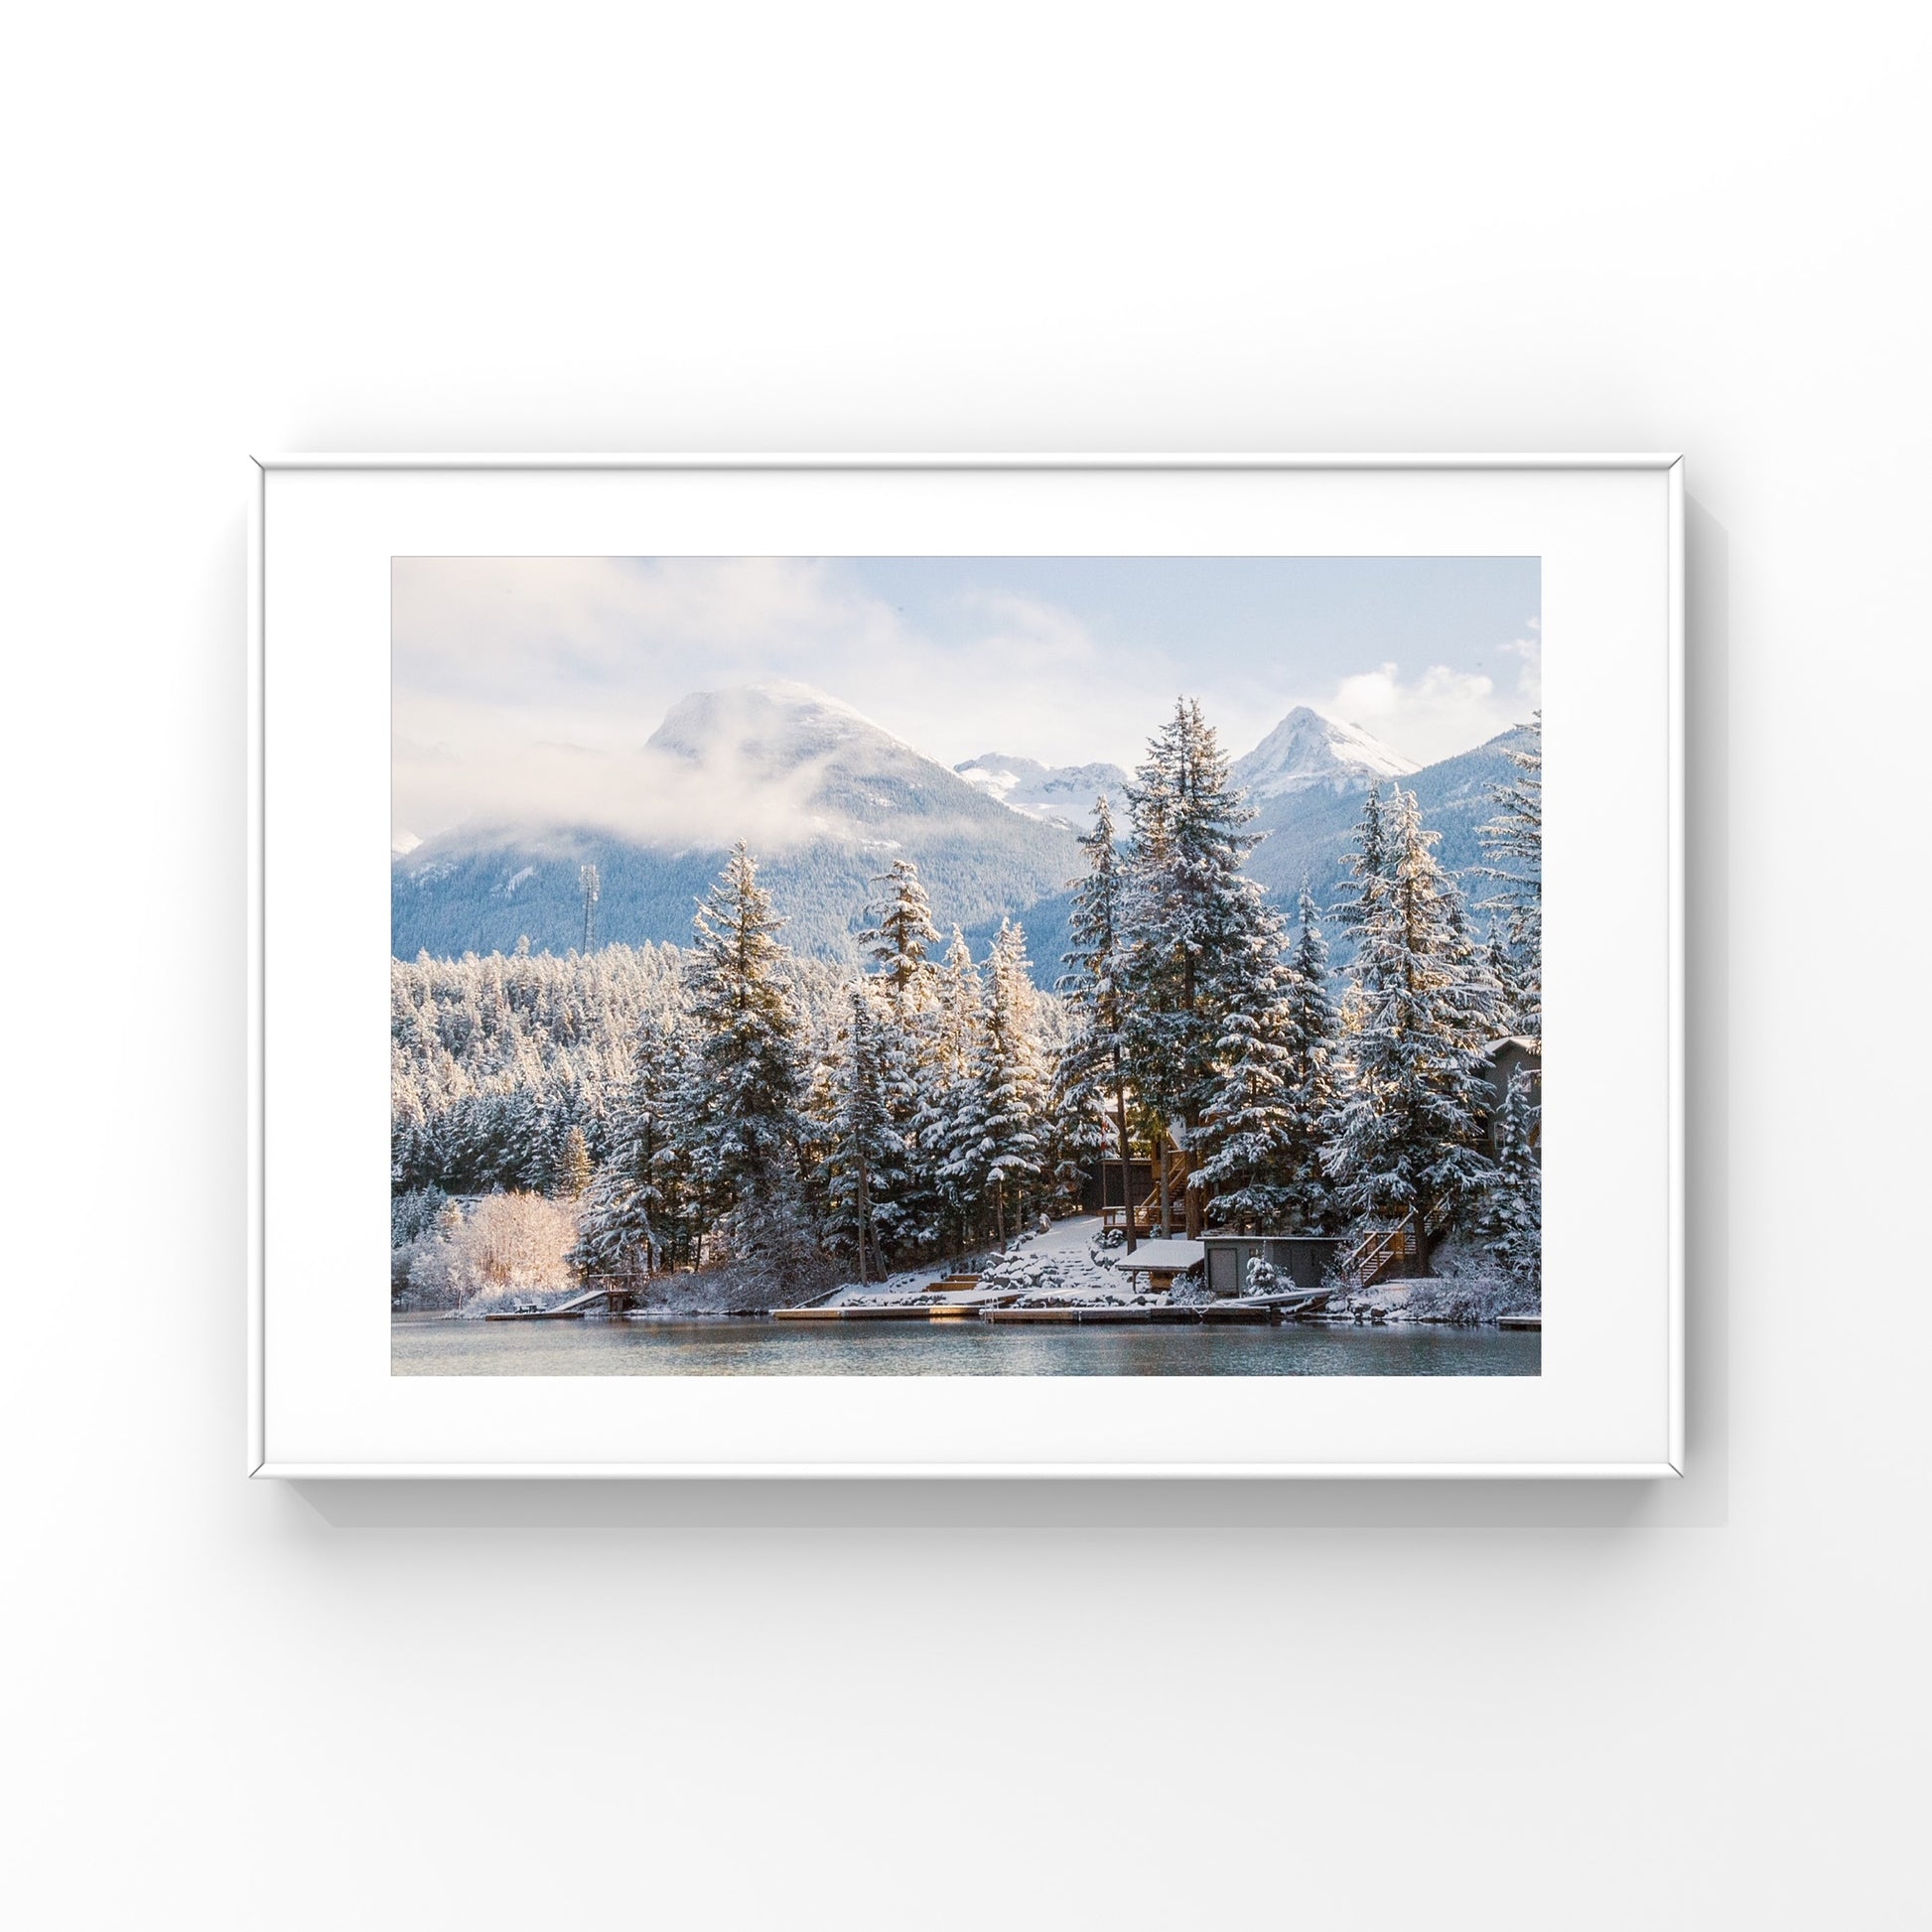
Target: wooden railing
column 1147, row 1213
column 1380, row 1248
column 1147, row 1216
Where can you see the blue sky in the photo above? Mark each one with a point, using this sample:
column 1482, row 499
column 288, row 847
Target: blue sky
column 529, row 684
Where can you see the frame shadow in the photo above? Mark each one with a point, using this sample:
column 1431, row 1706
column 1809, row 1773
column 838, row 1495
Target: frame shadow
column 1699, row 1500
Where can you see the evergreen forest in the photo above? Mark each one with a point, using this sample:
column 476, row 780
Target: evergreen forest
column 733, row 1105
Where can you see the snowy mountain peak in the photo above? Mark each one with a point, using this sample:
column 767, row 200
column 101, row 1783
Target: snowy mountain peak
column 402, row 843
column 790, row 692
column 1307, row 750
column 1055, row 794
column 776, row 714
column 779, row 763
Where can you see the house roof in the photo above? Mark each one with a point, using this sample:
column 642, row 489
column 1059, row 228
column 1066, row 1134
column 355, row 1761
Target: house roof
column 1169, row 1257
column 1494, row 1047
column 1225, row 1236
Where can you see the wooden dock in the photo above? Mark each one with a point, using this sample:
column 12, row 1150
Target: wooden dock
column 1520, row 1322
column 1252, row 1310
column 855, row 1312
column 1257, row 1313
column 1081, row 1312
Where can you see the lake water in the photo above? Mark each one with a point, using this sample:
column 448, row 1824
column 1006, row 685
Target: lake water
column 741, row 1348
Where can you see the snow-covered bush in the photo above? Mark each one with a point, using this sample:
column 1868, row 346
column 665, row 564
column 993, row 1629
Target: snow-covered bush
column 412, row 1222
column 769, row 1258
column 504, row 1247
column 413, row 1214
column 1262, row 1276
column 1190, row 1291
column 1470, row 1286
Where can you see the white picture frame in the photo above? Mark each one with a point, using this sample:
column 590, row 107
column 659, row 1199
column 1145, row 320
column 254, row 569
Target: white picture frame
column 1609, row 529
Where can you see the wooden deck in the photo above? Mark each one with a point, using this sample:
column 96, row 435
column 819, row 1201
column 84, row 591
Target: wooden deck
column 572, row 1310
column 1081, row 1313
column 855, row 1312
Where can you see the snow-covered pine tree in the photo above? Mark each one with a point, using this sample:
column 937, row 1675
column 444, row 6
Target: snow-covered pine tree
column 409, row 1170
column 898, row 933
column 1245, row 1126
column 1189, row 919
column 744, row 1132
column 820, row 1055
column 629, row 1207
column 1272, row 1109
column 574, row 1165
column 947, row 1121
column 1313, row 1090
column 864, row 1151
column 1516, row 1000
column 1368, row 866
column 1513, row 843
column 895, row 940
column 1511, row 1220
column 687, row 1208
column 1409, row 1133
column 1008, row 1086
column 1090, row 1079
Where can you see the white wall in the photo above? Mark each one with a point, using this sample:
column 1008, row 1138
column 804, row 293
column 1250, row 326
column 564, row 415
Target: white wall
column 371, row 227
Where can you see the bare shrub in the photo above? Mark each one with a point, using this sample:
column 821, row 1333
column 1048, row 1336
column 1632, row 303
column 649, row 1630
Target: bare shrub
column 502, row 1248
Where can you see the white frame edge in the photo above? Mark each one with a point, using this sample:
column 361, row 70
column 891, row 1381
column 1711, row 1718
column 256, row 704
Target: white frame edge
column 260, row 1466
column 1675, row 1158
column 973, row 1471
column 257, row 984
column 974, row 460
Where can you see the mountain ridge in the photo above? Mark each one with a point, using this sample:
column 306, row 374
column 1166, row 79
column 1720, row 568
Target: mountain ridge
column 825, row 797
column 837, row 797
column 1061, row 794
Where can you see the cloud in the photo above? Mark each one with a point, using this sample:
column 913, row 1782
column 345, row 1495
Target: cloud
column 505, row 628
column 1443, row 710
column 1529, row 653
column 525, row 688
column 514, row 782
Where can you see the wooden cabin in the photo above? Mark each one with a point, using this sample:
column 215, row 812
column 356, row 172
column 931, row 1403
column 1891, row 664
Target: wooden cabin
column 1104, row 1192
column 1120, row 1190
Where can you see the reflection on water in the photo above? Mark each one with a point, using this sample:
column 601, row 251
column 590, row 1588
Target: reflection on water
column 722, row 1347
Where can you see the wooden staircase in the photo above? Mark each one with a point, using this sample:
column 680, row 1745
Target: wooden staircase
column 1147, row 1213
column 1381, row 1248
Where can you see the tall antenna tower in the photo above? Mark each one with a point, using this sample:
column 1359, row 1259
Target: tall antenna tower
column 587, row 878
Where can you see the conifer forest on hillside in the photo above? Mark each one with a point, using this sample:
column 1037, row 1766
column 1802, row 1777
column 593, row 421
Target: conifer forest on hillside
column 782, row 1122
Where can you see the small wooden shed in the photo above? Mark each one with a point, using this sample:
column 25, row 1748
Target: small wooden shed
column 1301, row 1260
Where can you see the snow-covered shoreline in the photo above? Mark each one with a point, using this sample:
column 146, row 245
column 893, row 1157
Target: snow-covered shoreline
column 1065, row 1267
column 1061, row 1267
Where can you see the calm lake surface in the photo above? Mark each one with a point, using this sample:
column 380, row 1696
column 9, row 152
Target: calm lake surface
column 732, row 1347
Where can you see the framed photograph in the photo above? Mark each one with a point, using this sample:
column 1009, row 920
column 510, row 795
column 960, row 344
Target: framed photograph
column 966, row 965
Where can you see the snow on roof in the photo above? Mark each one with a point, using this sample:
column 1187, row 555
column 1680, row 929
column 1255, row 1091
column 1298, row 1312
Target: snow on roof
column 1269, row 1234
column 1169, row 1257
column 1492, row 1047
